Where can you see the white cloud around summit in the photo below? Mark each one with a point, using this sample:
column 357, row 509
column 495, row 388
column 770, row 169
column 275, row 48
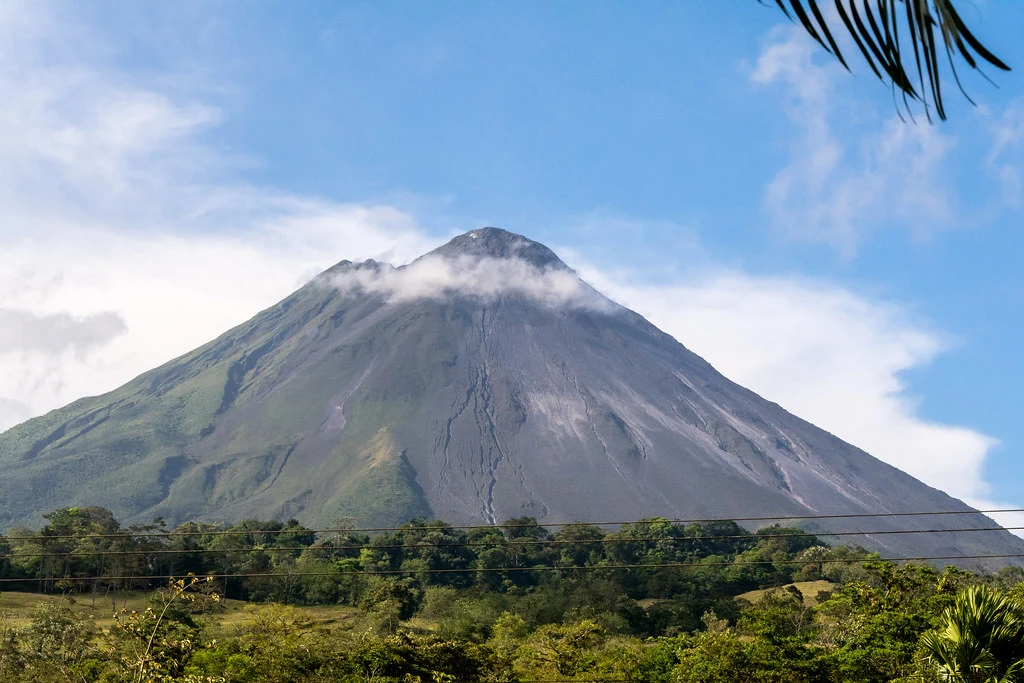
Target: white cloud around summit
column 484, row 278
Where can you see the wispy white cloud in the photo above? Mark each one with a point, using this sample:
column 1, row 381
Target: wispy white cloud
column 838, row 187
column 28, row 331
column 127, row 241
column 14, row 411
column 80, row 142
column 1006, row 155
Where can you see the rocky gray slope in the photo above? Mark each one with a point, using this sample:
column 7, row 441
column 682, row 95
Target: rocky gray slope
column 480, row 383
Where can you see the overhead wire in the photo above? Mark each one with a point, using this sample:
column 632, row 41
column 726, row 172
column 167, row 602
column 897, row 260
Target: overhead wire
column 488, row 570
column 444, row 526
column 501, row 542
column 90, row 553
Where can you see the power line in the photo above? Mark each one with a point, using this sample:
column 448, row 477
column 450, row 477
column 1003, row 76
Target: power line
column 444, row 526
column 474, row 570
column 86, row 553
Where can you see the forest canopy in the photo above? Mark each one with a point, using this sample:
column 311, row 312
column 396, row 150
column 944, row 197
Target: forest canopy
column 649, row 601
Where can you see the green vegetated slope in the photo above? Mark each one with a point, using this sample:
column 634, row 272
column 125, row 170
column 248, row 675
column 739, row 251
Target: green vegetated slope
column 215, row 429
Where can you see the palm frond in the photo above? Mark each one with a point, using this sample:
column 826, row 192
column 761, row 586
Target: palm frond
column 981, row 638
column 905, row 49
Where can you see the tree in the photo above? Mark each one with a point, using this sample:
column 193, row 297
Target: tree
column 564, row 649
column 149, row 658
column 981, row 639
column 868, row 630
column 898, row 40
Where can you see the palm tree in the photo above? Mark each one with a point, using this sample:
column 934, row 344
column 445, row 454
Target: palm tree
column 981, row 639
column 898, row 39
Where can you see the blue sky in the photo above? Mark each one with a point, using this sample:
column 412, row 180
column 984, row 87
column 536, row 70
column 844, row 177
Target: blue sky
column 166, row 170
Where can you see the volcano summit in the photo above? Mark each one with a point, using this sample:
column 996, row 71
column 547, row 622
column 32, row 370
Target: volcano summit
column 481, row 382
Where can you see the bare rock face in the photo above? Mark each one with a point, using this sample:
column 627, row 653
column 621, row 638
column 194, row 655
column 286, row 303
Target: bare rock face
column 484, row 381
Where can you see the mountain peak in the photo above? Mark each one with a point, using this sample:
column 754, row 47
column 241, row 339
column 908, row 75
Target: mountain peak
column 498, row 244
column 347, row 266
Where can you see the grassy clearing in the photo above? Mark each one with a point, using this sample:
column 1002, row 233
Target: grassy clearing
column 18, row 609
column 809, row 589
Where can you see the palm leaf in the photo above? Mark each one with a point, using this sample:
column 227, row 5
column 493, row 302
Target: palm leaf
column 905, row 49
column 981, row 639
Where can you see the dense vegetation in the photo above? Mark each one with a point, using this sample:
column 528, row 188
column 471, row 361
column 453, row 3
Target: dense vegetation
column 650, row 601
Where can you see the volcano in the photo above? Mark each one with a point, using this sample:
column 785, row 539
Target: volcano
column 484, row 381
